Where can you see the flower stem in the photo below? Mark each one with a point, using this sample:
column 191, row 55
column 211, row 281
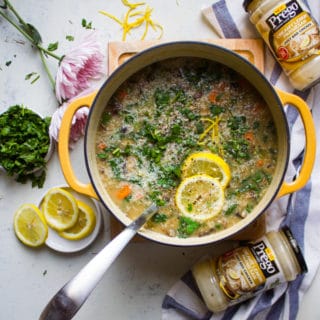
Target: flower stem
column 14, row 12
column 42, row 50
column 47, row 69
column 25, row 34
column 16, row 26
column 50, row 53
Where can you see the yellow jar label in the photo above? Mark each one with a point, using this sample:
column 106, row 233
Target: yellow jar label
column 279, row 9
column 292, row 35
column 245, row 270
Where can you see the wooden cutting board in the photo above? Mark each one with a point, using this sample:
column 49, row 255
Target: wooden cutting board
column 250, row 49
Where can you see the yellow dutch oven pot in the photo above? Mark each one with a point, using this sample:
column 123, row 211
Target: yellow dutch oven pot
column 275, row 99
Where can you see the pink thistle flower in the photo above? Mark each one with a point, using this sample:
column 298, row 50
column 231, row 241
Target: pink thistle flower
column 78, row 123
column 82, row 63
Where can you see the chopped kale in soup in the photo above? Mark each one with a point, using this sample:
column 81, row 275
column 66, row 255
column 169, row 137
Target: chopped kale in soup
column 170, row 111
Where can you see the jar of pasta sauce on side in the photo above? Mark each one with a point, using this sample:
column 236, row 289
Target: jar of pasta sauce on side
column 243, row 272
column 292, row 35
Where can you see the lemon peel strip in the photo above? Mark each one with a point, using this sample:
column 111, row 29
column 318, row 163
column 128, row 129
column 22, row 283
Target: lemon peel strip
column 153, row 24
column 145, row 17
column 110, row 16
column 213, row 126
column 132, row 5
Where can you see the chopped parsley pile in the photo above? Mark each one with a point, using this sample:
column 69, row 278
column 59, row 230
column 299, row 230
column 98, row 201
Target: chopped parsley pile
column 24, row 144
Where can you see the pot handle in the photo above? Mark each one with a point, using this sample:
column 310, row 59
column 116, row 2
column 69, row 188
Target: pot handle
column 63, row 146
column 310, row 148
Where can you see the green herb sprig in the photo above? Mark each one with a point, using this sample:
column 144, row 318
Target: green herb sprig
column 187, row 227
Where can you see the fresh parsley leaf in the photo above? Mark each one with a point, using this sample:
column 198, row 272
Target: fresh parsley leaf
column 237, row 148
column 156, row 197
column 187, row 227
column 29, row 75
column 33, row 75
column 190, row 207
column 215, row 110
column 85, row 24
column 161, row 97
column 255, row 182
column 106, row 117
column 70, row 38
column 231, row 209
column 159, row 217
column 53, row 46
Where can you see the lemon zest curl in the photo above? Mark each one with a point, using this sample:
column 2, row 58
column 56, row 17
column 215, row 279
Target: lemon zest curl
column 142, row 17
column 213, row 127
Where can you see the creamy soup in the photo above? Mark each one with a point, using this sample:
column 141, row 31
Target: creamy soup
column 169, row 111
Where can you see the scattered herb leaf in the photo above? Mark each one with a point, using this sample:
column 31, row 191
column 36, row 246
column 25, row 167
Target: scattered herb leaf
column 29, row 75
column 85, row 24
column 33, row 75
column 53, row 46
column 255, row 182
column 70, row 38
column 215, row 110
column 156, row 197
column 35, row 79
column 159, row 217
column 231, row 209
column 187, row 227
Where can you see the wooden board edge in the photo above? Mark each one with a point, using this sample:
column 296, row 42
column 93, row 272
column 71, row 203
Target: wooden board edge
column 252, row 49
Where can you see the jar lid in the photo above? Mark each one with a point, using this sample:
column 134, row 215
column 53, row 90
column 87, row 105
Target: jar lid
column 246, row 4
column 296, row 249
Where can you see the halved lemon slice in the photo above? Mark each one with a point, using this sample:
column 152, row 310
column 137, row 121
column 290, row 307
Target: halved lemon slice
column 200, row 197
column 207, row 163
column 60, row 209
column 30, row 226
column 84, row 225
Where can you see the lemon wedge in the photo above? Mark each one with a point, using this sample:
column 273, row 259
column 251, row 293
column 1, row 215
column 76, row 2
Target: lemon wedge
column 84, row 225
column 30, row 226
column 60, row 209
column 207, row 163
column 200, row 197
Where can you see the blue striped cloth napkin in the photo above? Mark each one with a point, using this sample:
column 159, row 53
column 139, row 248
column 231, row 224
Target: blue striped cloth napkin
column 299, row 211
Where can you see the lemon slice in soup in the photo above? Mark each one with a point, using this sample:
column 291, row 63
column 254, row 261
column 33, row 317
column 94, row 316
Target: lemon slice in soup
column 200, row 197
column 207, row 163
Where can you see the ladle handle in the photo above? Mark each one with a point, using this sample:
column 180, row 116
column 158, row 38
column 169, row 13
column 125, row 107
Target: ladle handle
column 68, row 300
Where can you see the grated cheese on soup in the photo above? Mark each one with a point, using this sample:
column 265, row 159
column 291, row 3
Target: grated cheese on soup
column 174, row 108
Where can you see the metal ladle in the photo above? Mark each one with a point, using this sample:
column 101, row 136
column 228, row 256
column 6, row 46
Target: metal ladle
column 68, row 300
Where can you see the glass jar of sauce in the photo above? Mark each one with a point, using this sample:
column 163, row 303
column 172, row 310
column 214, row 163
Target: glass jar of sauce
column 292, row 35
column 243, row 272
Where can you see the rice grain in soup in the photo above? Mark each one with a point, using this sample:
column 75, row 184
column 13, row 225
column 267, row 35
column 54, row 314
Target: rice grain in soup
column 173, row 109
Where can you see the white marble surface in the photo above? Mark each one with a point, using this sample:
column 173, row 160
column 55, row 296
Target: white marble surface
column 133, row 288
